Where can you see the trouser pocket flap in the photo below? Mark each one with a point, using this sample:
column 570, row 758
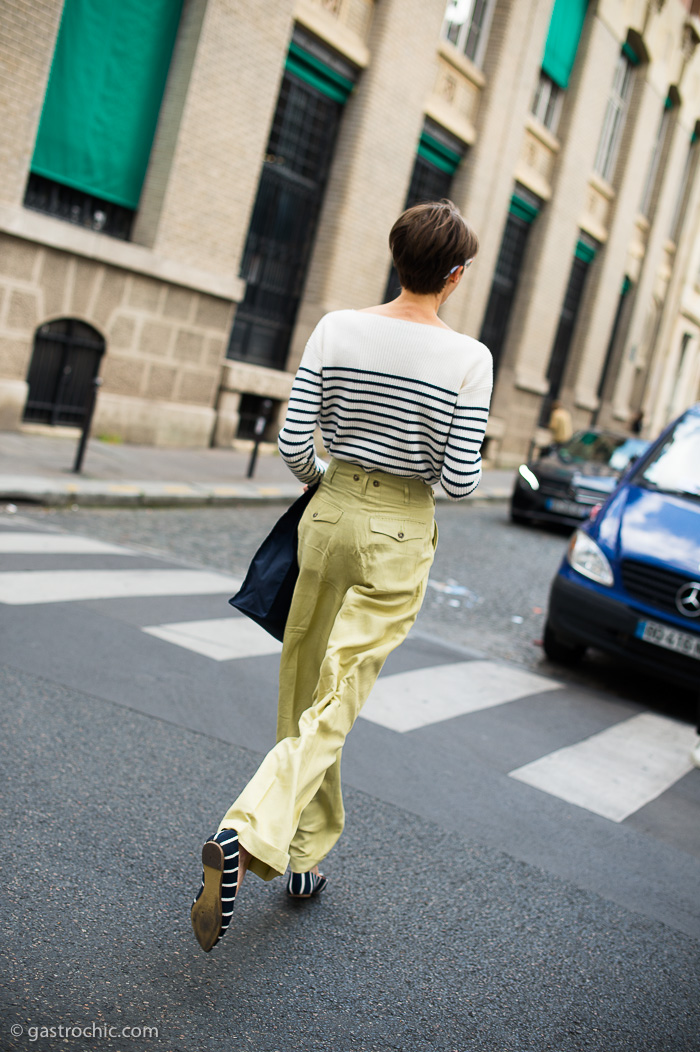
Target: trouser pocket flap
column 399, row 529
column 325, row 513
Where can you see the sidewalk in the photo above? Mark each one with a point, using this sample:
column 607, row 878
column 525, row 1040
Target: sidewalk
column 37, row 468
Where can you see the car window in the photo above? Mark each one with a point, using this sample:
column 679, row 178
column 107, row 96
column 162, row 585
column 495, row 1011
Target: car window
column 676, row 466
column 591, row 447
column 633, row 447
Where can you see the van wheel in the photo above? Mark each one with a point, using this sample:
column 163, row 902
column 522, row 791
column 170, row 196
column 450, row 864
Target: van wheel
column 558, row 651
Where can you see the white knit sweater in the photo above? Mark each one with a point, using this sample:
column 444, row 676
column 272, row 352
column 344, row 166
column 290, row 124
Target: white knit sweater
column 406, row 398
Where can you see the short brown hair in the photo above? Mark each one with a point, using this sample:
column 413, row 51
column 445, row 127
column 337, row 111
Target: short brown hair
column 427, row 241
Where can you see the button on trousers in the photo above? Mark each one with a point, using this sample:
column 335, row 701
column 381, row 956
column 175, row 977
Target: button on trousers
column 366, row 545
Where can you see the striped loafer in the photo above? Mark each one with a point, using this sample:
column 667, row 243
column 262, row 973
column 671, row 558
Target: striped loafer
column 213, row 908
column 304, row 885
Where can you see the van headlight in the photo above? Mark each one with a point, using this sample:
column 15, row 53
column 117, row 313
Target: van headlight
column 586, row 558
column 529, row 476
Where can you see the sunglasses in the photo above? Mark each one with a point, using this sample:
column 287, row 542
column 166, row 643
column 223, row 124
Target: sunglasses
column 467, row 263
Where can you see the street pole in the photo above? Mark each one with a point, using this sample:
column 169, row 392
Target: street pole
column 87, row 424
column 260, row 425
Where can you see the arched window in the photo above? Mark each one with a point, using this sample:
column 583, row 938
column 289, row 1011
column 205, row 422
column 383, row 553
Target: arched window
column 65, row 361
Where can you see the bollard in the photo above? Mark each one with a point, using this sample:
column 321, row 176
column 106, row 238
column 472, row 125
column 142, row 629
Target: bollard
column 260, row 425
column 89, row 411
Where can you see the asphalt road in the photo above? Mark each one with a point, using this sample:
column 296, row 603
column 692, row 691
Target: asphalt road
column 466, row 909
column 488, row 590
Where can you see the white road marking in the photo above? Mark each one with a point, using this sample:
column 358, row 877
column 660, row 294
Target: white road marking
column 408, row 700
column 15, row 543
column 222, row 639
column 619, row 770
column 60, row 586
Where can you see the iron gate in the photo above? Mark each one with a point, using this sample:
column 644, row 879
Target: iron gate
column 65, row 361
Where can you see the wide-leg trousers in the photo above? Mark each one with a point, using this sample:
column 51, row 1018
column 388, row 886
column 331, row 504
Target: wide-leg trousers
column 366, row 545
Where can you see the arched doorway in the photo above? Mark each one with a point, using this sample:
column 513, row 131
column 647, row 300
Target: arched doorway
column 65, row 361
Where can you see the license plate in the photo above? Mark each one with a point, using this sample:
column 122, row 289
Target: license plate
column 566, row 507
column 669, row 638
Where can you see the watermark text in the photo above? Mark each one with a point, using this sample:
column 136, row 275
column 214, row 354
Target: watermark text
column 68, row 1032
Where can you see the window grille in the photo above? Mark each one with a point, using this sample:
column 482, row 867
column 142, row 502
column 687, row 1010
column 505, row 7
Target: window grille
column 504, row 286
column 615, row 113
column 547, row 103
column 617, row 327
column 283, row 224
column 428, row 183
column 467, row 24
column 567, row 324
column 76, row 206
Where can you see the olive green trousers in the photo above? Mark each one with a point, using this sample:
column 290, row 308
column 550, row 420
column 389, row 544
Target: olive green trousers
column 366, row 545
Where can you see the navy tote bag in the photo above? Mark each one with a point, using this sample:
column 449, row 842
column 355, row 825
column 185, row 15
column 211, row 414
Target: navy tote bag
column 266, row 593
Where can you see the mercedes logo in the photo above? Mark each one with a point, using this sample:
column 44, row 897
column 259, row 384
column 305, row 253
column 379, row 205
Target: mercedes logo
column 688, row 599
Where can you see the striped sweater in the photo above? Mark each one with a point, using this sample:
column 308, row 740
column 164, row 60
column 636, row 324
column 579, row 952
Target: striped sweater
column 394, row 395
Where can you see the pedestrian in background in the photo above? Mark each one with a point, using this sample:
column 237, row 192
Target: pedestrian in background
column 560, row 425
column 402, row 401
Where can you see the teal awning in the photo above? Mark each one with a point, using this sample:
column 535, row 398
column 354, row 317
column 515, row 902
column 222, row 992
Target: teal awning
column 523, row 209
column 565, row 28
column 439, row 155
column 104, row 94
column 318, row 73
column 584, row 251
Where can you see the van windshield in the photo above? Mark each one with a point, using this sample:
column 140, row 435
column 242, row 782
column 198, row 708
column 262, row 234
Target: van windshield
column 601, row 447
column 676, row 466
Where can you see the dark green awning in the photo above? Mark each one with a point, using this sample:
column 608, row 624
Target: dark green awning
column 584, row 251
column 562, row 40
column 439, row 155
column 523, row 209
column 318, row 73
column 104, row 94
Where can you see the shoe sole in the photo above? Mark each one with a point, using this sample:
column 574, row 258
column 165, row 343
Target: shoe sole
column 207, row 910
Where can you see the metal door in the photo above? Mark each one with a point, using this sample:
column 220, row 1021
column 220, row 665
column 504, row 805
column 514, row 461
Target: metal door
column 65, row 361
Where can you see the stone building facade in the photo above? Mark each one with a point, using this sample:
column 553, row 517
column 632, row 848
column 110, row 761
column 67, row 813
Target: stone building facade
column 290, row 136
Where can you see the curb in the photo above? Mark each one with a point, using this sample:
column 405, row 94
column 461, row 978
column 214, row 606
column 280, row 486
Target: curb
column 51, row 492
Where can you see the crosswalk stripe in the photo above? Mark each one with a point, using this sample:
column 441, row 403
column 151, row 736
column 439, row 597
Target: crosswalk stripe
column 24, row 588
column 619, row 770
column 409, row 700
column 222, row 639
column 16, row 543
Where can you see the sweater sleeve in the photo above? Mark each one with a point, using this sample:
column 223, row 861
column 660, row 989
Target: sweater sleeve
column 296, row 439
column 461, row 470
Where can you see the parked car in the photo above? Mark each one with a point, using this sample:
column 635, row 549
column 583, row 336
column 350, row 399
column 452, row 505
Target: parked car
column 566, row 482
column 629, row 583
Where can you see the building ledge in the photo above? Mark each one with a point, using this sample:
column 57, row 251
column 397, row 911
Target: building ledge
column 602, row 186
column 324, row 25
column 455, row 58
column 65, row 237
column 586, row 400
column 526, row 380
column 543, row 134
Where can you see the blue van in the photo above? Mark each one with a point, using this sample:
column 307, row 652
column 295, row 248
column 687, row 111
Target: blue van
column 629, row 583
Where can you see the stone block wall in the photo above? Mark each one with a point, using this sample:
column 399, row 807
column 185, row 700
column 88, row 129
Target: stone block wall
column 165, row 344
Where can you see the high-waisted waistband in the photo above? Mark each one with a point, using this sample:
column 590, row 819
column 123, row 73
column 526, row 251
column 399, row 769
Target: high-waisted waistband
column 379, row 485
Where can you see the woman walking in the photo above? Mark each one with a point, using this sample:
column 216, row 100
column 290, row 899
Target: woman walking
column 402, row 402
